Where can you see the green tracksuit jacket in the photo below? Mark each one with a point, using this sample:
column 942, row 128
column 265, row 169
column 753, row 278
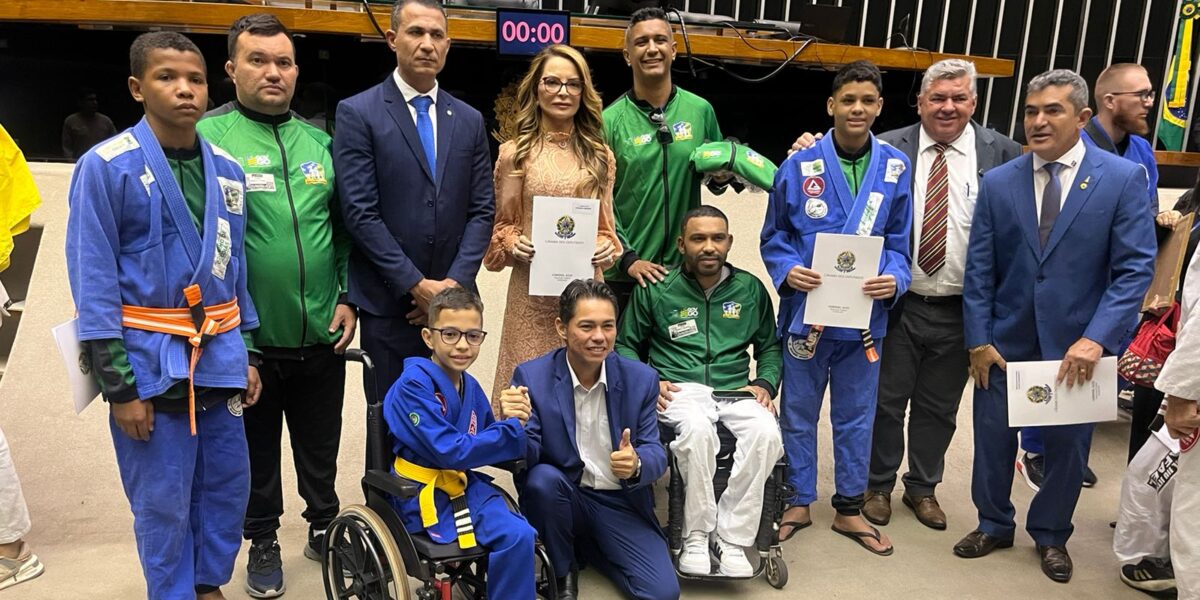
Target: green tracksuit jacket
column 689, row 338
column 655, row 187
column 296, row 246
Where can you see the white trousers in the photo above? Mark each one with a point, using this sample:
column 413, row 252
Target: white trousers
column 694, row 414
column 14, row 515
column 1185, row 526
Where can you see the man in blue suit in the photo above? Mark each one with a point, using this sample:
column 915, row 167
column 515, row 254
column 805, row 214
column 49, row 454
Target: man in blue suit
column 415, row 181
column 1060, row 255
column 593, row 452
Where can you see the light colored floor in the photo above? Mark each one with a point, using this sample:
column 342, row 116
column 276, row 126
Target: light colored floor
column 82, row 524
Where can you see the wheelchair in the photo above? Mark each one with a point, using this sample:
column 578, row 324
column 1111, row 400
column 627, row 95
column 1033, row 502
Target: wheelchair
column 368, row 554
column 775, row 494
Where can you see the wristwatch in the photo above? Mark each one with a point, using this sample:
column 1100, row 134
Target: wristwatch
column 638, row 471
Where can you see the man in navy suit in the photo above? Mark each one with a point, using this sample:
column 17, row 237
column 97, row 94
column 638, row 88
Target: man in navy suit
column 1060, row 255
column 415, row 181
column 593, row 452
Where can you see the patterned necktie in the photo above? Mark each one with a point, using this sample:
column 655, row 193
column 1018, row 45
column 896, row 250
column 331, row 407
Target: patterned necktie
column 425, row 129
column 931, row 255
column 1051, row 201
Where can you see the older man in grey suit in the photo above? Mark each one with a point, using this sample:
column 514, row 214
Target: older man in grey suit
column 924, row 358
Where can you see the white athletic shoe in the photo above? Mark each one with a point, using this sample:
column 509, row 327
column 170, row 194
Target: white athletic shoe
column 24, row 567
column 694, row 559
column 732, row 558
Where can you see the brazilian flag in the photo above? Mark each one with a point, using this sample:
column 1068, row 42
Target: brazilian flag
column 1175, row 93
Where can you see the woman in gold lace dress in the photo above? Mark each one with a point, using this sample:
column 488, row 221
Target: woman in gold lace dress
column 558, row 150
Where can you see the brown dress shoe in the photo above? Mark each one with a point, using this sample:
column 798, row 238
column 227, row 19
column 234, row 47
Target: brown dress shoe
column 978, row 543
column 928, row 512
column 1056, row 563
column 878, row 507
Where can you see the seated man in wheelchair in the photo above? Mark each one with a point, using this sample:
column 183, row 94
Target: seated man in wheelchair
column 695, row 328
column 441, row 426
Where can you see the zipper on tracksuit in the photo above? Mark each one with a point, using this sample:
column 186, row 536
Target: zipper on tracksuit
column 287, row 185
column 707, row 320
column 666, row 206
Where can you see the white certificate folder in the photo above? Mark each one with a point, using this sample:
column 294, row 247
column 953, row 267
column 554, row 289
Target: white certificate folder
column 1035, row 399
column 564, row 240
column 845, row 262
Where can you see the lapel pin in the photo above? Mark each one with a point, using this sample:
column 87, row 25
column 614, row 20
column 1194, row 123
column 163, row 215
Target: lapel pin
column 1083, row 186
column 449, row 113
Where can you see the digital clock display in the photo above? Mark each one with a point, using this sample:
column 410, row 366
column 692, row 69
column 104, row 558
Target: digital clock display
column 523, row 32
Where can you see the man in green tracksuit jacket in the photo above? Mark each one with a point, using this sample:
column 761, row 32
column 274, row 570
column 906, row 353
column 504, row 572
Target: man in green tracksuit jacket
column 696, row 327
column 652, row 130
column 296, row 251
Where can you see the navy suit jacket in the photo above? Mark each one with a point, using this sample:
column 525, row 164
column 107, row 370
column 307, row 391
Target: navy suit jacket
column 1033, row 304
column 631, row 400
column 407, row 223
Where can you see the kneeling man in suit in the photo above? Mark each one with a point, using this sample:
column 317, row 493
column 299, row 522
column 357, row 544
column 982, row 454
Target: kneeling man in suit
column 593, row 452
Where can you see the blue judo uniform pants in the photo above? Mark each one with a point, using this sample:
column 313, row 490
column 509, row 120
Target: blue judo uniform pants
column 853, row 383
column 604, row 529
column 188, row 495
column 1067, row 447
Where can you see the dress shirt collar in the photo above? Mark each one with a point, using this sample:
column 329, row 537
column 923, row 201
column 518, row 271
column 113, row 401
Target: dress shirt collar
column 603, row 379
column 964, row 144
column 1070, row 159
column 409, row 92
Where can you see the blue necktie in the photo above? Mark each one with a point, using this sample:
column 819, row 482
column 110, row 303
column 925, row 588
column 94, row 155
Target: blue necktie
column 1051, row 201
column 425, row 130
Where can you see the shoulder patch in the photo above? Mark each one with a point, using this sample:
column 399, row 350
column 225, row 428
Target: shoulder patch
column 810, row 168
column 117, row 146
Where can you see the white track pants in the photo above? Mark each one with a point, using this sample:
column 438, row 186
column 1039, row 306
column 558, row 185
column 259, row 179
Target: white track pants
column 14, row 515
column 694, row 414
column 1185, row 526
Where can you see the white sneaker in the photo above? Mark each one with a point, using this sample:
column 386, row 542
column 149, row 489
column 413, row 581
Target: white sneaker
column 732, row 558
column 694, row 559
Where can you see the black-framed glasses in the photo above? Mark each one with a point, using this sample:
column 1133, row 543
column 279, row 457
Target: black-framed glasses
column 1143, row 95
column 451, row 335
column 554, row 85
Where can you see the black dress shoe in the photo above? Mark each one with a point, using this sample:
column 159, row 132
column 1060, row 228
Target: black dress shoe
column 568, row 587
column 1056, row 563
column 978, row 543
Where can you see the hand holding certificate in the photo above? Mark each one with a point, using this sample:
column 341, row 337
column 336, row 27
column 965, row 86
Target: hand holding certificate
column 1034, row 397
column 845, row 263
column 564, row 235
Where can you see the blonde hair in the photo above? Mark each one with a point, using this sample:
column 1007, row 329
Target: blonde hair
column 588, row 142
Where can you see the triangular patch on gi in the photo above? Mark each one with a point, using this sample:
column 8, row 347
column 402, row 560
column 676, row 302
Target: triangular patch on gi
column 814, row 186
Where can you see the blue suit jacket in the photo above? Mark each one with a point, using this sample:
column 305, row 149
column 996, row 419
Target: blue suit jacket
column 1032, row 304
column 408, row 223
column 631, row 401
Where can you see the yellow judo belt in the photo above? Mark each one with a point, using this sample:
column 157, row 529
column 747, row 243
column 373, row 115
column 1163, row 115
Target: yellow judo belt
column 454, row 483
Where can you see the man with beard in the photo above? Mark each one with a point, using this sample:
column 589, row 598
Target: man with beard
column 696, row 327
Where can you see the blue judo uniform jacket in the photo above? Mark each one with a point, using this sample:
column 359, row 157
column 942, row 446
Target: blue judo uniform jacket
column 1139, row 151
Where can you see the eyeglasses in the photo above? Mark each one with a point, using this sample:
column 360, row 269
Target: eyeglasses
column 1143, row 95
column 451, row 335
column 553, row 85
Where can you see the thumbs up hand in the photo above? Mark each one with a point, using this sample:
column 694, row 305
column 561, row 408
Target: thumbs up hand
column 624, row 462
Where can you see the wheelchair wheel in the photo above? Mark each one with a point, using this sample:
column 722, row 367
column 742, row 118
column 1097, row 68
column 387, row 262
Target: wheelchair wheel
column 777, row 573
column 361, row 560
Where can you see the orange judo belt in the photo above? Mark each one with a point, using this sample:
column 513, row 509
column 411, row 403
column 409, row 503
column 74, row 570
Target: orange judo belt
column 197, row 323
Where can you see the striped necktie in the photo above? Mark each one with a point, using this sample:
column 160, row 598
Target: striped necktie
column 931, row 255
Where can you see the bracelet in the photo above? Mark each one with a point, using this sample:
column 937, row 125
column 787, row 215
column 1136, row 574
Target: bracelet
column 978, row 349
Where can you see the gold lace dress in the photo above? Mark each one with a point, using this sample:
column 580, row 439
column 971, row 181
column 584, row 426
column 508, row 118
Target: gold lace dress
column 550, row 170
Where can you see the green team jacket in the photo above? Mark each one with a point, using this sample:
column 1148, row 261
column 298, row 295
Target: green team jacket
column 689, row 338
column 653, row 187
column 296, row 246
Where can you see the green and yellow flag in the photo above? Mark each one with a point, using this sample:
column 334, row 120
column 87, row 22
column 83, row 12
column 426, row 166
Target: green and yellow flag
column 1175, row 93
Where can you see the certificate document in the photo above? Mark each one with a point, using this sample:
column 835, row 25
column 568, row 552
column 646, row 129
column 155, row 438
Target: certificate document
column 84, row 387
column 1034, row 398
column 844, row 262
column 564, row 240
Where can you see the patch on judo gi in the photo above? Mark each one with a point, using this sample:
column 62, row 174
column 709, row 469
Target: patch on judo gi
column 147, row 179
column 812, row 167
column 117, row 146
column 224, row 249
column 314, row 173
column 235, row 406
column 682, row 131
column 813, row 186
column 895, row 167
column 441, row 400
column 800, row 348
column 473, row 427
column 1039, row 394
column 867, row 223
column 415, row 418
column 816, row 208
column 731, row 310
column 845, row 262
column 233, row 193
column 1188, row 442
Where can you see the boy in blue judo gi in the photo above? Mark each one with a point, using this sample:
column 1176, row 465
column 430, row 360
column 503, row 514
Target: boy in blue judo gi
column 848, row 183
column 154, row 254
column 440, row 426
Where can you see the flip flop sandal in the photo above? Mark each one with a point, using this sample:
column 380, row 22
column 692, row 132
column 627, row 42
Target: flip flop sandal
column 795, row 525
column 860, row 536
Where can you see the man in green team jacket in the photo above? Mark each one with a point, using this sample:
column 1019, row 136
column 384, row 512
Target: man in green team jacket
column 696, row 327
column 296, row 250
column 652, row 130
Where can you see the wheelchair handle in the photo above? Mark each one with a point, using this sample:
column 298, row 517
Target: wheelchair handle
column 359, row 355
